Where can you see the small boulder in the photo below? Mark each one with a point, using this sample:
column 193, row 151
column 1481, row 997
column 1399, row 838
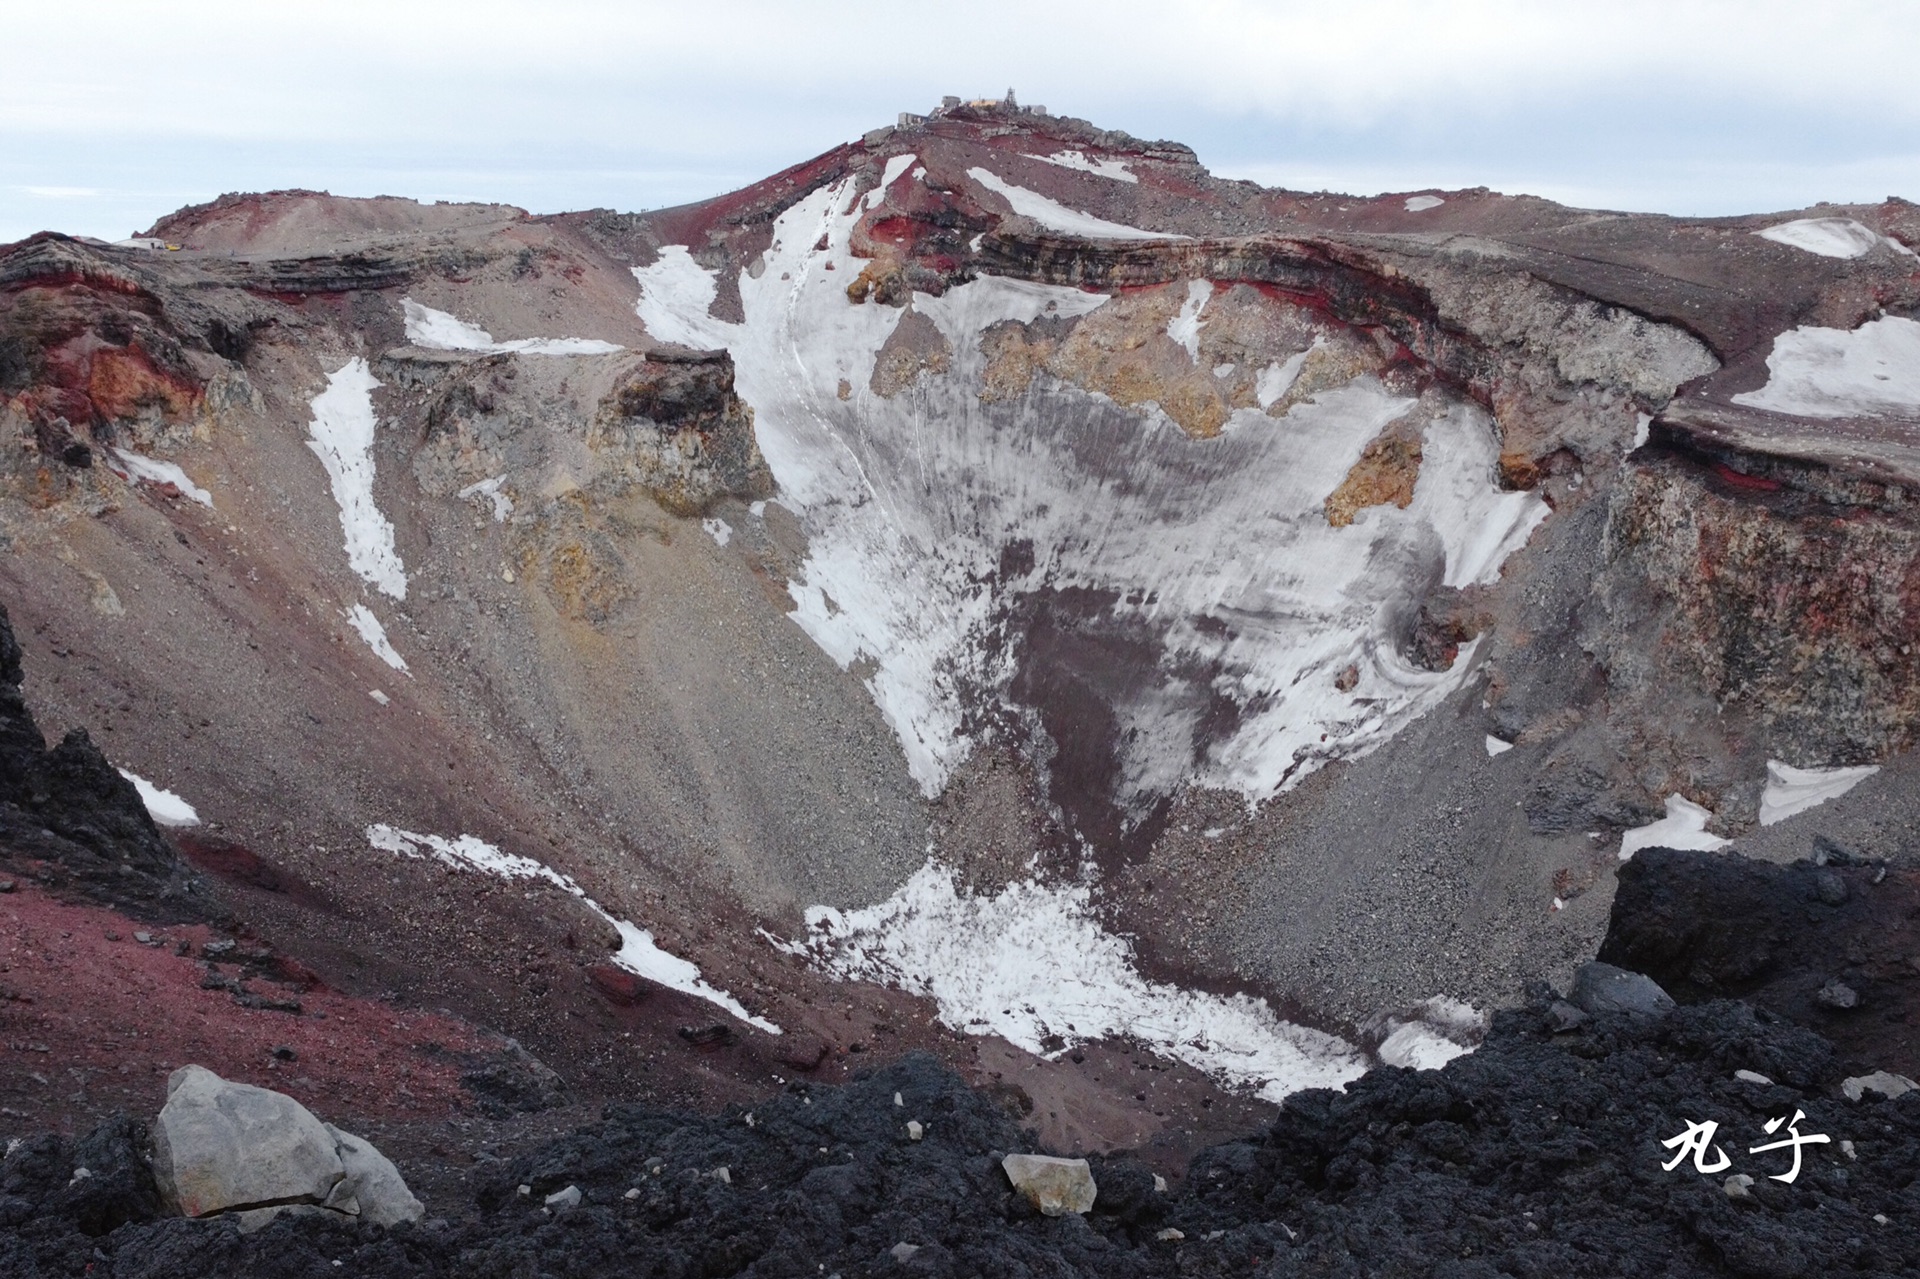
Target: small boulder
column 373, row 1183
column 1055, row 1186
column 1601, row 988
column 567, row 1198
column 1885, row 1083
column 1837, row 995
column 1752, row 1077
column 1563, row 1017
column 1739, row 1186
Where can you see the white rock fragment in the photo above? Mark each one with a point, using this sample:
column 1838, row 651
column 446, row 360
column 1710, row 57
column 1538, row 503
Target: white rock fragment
column 915, row 1130
column 1495, row 746
column 1055, row 1186
column 1885, row 1083
column 1751, row 1077
column 568, row 1198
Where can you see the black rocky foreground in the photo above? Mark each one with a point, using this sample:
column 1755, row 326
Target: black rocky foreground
column 1538, row 1155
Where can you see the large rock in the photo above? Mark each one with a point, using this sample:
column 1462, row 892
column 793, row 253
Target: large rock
column 1602, row 988
column 1055, row 1186
column 224, row 1147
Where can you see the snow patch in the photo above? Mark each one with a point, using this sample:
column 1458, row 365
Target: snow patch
column 1185, row 327
column 1871, row 371
column 896, row 165
column 1684, row 826
column 1058, row 217
column 1497, row 747
column 131, row 466
column 341, row 436
column 165, row 807
column 379, row 696
column 490, row 489
column 1793, row 790
column 1827, row 237
column 1421, row 203
column 1278, row 378
column 438, row 331
column 1101, row 166
column 638, row 952
column 361, row 618
column 718, row 529
column 1439, row 1030
column 1033, row 965
column 908, row 505
column 1642, row 431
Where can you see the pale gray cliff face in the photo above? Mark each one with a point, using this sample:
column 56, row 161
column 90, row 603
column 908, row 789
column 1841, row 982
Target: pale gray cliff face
column 756, row 552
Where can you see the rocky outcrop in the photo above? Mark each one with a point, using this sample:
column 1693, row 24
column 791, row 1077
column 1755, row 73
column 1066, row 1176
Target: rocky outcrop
column 675, row 426
column 1053, row 1185
column 68, row 815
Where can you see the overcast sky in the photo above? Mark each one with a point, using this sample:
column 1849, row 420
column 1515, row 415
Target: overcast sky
column 112, row 114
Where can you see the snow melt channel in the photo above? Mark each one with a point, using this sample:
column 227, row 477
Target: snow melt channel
column 1033, row 965
column 1219, row 550
column 1056, row 216
column 341, row 436
column 638, row 953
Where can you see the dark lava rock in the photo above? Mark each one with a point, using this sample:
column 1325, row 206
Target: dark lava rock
column 1721, row 926
column 69, row 812
column 1541, row 1154
column 1603, row 988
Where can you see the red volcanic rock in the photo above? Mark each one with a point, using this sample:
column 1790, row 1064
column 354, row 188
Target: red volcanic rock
column 621, row 987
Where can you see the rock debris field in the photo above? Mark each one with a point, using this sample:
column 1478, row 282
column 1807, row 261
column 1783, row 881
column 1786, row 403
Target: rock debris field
column 1541, row 1154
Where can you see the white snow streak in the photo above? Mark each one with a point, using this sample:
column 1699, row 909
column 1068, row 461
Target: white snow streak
column 638, row 953
column 1421, row 203
column 342, row 438
column 1828, row 237
column 132, row 466
column 908, row 504
column 438, row 331
column 1684, row 826
column 1102, row 166
column 1439, row 1030
column 1185, row 327
column 1871, row 371
column 361, row 618
column 1793, row 790
column 718, row 529
column 1058, row 217
column 1032, row 964
column 1495, row 746
column 1278, row 378
column 165, row 807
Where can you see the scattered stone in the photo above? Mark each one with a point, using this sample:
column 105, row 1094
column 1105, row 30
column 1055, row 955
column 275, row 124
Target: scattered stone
column 568, row 1198
column 1601, row 988
column 1838, row 995
column 1055, row 1186
column 282, row 1052
column 215, row 949
column 801, row 1052
column 1159, row 1184
column 1170, row 1235
column 914, row 1130
column 903, row 1251
column 145, row 939
column 1739, row 1187
column 1751, row 1077
column 723, row 1175
column 110, row 935
column 1886, row 1084
column 620, row 987
column 633, row 1193
column 1830, row 889
column 1846, row 1148
column 7, row 885
column 708, row 1038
